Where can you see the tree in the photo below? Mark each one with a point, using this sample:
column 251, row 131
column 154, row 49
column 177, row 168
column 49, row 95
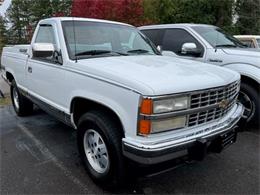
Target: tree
column 129, row 11
column 19, row 15
column 218, row 12
column 3, row 33
column 24, row 15
column 248, row 13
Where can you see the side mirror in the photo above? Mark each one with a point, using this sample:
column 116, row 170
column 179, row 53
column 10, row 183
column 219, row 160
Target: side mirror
column 159, row 48
column 169, row 53
column 190, row 49
column 42, row 50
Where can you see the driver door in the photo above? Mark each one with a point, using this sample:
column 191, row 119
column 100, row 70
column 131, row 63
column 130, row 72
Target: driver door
column 45, row 76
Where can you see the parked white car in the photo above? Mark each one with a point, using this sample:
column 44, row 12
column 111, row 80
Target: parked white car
column 126, row 101
column 251, row 41
column 211, row 44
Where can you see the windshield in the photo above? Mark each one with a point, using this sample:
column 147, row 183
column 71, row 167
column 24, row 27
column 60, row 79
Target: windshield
column 96, row 39
column 258, row 41
column 217, row 37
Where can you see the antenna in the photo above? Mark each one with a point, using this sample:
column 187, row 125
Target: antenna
column 75, row 44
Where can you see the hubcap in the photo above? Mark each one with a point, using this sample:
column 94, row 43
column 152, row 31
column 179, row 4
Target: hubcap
column 96, row 151
column 248, row 105
column 15, row 98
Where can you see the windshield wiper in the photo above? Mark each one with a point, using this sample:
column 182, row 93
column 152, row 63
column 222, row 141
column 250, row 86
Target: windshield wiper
column 99, row 52
column 226, row 45
column 139, row 51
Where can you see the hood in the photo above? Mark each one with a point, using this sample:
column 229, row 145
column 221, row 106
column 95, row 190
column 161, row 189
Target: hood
column 244, row 56
column 157, row 75
column 249, row 52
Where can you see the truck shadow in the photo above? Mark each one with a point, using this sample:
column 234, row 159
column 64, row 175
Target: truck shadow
column 213, row 175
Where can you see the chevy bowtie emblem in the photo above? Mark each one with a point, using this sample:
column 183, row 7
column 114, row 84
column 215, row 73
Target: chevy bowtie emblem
column 223, row 104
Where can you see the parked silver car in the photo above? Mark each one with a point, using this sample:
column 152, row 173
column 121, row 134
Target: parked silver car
column 211, row 44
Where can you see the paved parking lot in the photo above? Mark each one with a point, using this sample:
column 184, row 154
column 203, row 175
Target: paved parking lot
column 39, row 156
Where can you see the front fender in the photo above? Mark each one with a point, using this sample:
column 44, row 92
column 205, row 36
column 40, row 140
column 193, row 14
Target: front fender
column 248, row 70
column 124, row 103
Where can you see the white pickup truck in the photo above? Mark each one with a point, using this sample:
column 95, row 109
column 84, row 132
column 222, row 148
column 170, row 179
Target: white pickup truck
column 126, row 101
column 212, row 45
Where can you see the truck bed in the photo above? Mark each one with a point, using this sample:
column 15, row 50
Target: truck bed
column 16, row 49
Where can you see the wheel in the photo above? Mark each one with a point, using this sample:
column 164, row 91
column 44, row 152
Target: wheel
column 22, row 105
column 100, row 147
column 250, row 98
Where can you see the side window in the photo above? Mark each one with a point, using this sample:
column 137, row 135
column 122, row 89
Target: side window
column 175, row 38
column 45, row 35
column 154, row 35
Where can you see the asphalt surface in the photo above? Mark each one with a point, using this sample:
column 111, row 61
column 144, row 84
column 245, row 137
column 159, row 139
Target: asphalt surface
column 39, row 156
column 4, row 87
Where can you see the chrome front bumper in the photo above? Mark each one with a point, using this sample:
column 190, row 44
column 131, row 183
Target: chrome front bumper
column 157, row 152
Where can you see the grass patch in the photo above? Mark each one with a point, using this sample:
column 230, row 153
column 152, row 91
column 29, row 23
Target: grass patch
column 5, row 101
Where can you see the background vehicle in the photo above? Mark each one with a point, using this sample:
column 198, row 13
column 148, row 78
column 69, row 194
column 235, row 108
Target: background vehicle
column 252, row 41
column 126, row 101
column 210, row 44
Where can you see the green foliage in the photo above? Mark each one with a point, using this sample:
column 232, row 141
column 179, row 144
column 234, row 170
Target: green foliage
column 19, row 15
column 218, row 12
column 248, row 12
column 25, row 14
column 3, row 33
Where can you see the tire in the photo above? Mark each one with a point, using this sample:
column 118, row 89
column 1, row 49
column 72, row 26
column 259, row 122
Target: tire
column 22, row 105
column 99, row 125
column 249, row 96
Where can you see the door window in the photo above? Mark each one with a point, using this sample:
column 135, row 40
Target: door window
column 46, row 35
column 175, row 38
column 155, row 36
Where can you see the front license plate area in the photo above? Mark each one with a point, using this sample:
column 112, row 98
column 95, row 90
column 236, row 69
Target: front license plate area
column 223, row 141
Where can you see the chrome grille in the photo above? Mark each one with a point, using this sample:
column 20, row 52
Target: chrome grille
column 209, row 98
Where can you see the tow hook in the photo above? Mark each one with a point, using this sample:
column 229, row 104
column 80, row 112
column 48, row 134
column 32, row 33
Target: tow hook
column 199, row 150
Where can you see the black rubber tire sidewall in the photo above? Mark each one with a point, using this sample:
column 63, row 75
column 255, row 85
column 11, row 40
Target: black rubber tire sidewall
column 253, row 94
column 25, row 105
column 110, row 134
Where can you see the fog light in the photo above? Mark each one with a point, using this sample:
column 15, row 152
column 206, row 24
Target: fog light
column 169, row 124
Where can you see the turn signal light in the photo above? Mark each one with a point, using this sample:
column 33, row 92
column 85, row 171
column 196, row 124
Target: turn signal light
column 144, row 127
column 146, row 106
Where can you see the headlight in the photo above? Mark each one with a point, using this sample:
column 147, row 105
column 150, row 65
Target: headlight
column 169, row 105
column 151, row 108
column 168, row 124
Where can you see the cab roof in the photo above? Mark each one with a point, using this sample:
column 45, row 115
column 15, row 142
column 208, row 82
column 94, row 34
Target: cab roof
column 178, row 25
column 60, row 19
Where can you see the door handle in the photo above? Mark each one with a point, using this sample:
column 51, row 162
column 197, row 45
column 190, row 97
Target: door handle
column 29, row 69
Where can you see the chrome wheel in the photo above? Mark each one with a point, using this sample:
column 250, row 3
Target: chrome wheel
column 16, row 98
column 96, row 151
column 248, row 104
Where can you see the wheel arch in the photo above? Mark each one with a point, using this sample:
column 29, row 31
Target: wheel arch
column 80, row 105
column 247, row 71
column 250, row 81
column 9, row 76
